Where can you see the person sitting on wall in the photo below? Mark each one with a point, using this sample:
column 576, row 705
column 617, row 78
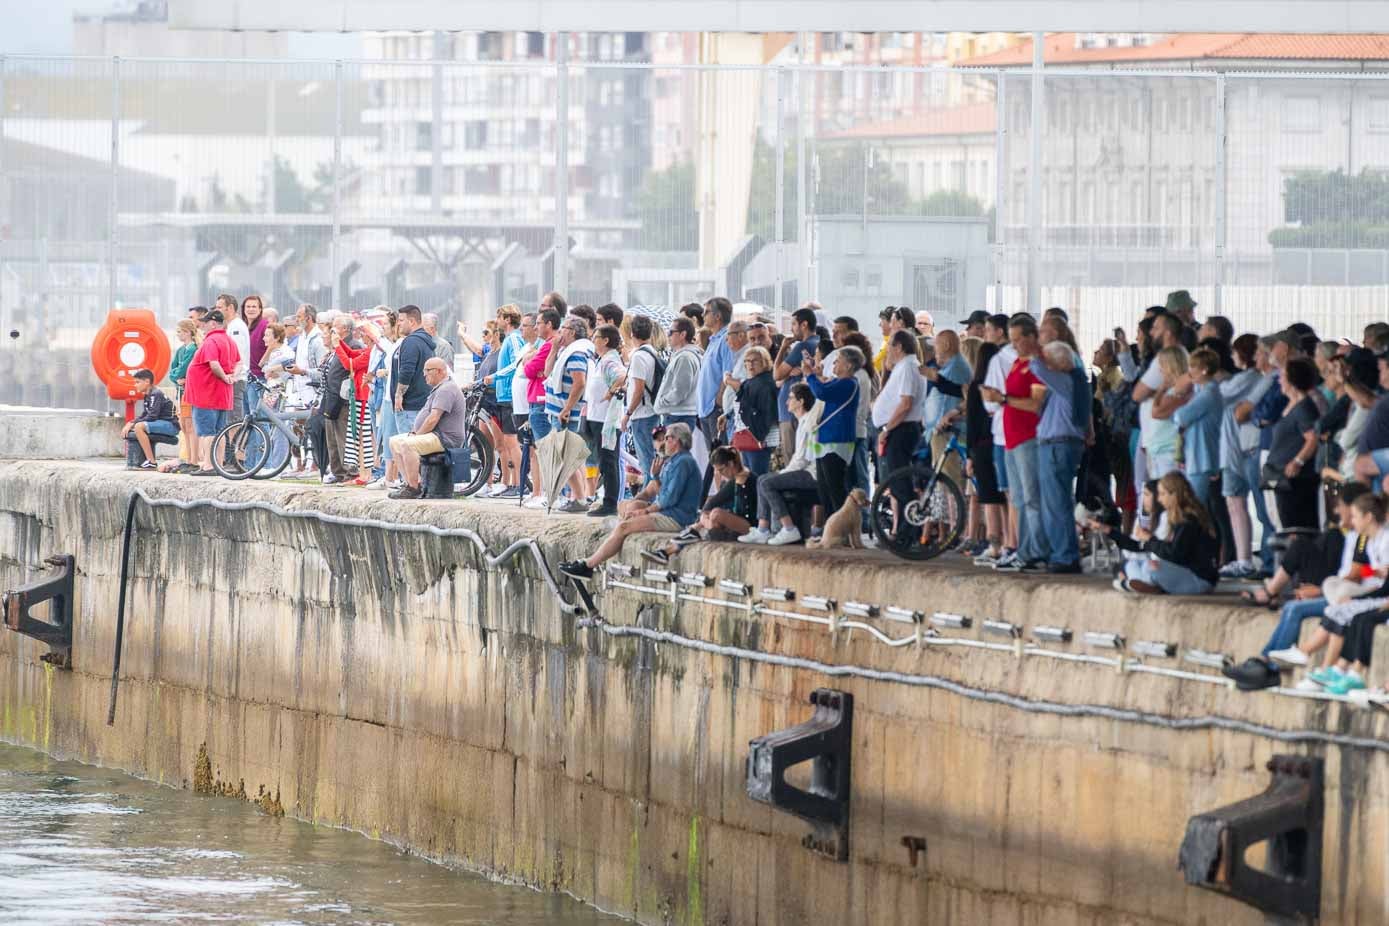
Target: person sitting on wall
column 158, row 415
column 728, row 514
column 440, row 425
column 669, row 502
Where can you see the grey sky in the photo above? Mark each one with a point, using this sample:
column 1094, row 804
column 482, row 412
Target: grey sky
column 44, row 27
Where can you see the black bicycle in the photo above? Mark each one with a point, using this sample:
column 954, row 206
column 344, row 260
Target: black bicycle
column 482, row 456
column 918, row 512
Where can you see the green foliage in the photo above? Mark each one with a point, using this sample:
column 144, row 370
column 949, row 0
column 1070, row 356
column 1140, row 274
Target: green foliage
column 1334, row 209
column 666, row 208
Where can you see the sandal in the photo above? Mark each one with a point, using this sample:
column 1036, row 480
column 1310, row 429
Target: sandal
column 1257, row 596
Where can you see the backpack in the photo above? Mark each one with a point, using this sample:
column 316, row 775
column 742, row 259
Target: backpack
column 658, row 376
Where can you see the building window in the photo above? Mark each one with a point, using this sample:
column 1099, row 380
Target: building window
column 424, row 136
column 474, row 135
column 423, row 176
column 1301, row 114
column 1378, row 113
column 535, row 44
column 849, row 280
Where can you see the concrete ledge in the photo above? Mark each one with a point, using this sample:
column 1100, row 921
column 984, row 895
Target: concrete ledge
column 395, row 684
column 28, row 433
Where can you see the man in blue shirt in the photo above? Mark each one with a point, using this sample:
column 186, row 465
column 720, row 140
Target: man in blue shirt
column 669, row 503
column 787, row 369
column 718, row 360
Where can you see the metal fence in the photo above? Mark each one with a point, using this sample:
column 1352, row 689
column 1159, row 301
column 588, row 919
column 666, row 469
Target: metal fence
column 461, row 186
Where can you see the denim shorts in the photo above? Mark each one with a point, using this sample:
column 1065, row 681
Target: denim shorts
column 1381, row 458
column 162, row 428
column 540, row 423
column 1001, row 468
column 574, row 422
column 207, row 422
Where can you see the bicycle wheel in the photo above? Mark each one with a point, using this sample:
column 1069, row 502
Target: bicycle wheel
column 932, row 512
column 277, row 456
column 240, row 449
column 482, row 458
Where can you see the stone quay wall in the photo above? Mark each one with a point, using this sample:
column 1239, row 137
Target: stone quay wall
column 398, row 684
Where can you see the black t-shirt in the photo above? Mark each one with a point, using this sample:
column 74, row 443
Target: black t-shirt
column 1376, row 433
column 1285, row 441
column 739, row 499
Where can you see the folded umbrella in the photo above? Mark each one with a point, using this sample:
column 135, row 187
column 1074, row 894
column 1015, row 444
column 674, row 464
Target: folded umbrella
column 560, row 454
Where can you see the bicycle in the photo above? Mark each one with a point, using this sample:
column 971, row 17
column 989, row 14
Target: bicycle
column 482, row 456
column 918, row 512
column 258, row 446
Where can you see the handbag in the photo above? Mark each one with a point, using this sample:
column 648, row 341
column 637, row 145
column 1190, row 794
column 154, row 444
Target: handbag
column 1272, row 478
column 745, row 442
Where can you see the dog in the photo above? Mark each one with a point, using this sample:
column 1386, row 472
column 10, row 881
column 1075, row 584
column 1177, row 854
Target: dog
column 843, row 527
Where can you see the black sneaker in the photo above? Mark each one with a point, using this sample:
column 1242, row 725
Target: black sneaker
column 659, row 557
column 602, row 511
column 1252, row 675
column 1064, row 569
column 149, row 464
column 576, row 569
column 406, row 492
column 1034, row 566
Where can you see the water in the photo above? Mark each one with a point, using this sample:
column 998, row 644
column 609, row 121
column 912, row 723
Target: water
column 85, row 845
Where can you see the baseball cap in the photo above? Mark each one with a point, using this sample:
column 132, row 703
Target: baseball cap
column 977, row 317
column 215, row 316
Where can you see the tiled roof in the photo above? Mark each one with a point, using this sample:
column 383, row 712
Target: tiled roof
column 1062, row 48
column 972, row 119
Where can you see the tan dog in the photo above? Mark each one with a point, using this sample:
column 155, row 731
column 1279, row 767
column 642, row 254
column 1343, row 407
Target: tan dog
column 844, row 526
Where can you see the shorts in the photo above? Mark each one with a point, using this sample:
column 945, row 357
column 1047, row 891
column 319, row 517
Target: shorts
column 207, row 422
column 162, row 428
column 1239, row 482
column 421, row 444
column 1000, row 470
column 506, row 421
column 985, row 475
column 574, row 422
column 539, row 422
column 1381, row 458
column 664, row 522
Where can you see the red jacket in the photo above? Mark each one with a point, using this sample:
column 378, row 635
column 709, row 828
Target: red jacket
column 355, row 360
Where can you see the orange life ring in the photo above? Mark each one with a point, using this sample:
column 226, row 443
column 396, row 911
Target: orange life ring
column 130, row 340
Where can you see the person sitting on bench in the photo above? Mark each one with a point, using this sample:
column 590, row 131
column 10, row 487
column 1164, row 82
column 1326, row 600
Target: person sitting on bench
column 441, row 425
column 158, row 416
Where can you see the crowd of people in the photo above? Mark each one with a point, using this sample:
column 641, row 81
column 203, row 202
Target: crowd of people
column 1173, row 445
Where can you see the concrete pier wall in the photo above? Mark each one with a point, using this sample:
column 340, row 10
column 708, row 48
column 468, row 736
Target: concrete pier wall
column 395, row 684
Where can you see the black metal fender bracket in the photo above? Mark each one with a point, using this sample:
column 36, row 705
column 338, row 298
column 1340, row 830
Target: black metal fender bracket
column 57, row 589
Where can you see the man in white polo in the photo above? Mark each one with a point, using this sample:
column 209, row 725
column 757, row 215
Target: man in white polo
column 440, row 425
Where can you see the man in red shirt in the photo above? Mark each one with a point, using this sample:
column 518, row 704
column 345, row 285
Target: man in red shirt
column 1022, row 403
column 209, row 386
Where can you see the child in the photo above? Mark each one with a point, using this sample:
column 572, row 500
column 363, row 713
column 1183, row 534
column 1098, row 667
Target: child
column 158, row 415
column 1184, row 564
column 1359, row 588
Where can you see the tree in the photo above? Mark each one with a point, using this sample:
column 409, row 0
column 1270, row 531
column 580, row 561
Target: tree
column 292, row 195
column 1333, row 209
column 666, row 208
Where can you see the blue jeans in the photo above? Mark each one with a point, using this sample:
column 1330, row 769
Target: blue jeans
column 1290, row 623
column 254, row 390
column 1022, row 466
column 1171, row 578
column 860, row 476
column 1057, row 465
column 641, row 430
column 162, row 428
column 405, row 421
column 757, row 462
column 691, row 420
column 1201, row 485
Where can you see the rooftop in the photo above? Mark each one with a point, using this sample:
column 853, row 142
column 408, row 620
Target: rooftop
column 1067, row 48
column 971, row 119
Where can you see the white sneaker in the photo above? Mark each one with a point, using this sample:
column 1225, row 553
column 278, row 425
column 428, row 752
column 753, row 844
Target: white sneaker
column 395, row 483
column 756, row 535
column 377, row 484
column 1307, row 684
column 1292, row 656
column 536, row 502
column 1239, row 569
column 869, row 541
column 784, row 536
column 330, row 479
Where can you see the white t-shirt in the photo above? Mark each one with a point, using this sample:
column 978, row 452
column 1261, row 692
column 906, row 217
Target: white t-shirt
column 904, row 380
column 1157, row 435
column 995, row 379
column 601, row 374
column 520, row 405
column 241, row 336
column 642, row 365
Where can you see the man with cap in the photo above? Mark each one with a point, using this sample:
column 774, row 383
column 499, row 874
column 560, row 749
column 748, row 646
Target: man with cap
column 974, row 325
column 1180, row 304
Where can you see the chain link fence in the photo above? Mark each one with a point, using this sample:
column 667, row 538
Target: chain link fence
column 462, row 186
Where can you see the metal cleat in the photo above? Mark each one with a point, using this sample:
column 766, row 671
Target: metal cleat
column 57, row 631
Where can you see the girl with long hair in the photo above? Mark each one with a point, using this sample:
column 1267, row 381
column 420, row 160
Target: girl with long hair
column 1183, row 564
